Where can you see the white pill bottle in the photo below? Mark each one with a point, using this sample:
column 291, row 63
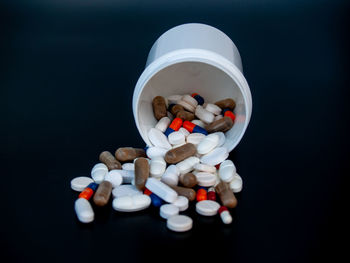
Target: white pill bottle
column 193, row 58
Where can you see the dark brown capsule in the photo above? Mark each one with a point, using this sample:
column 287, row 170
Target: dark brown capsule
column 175, row 109
column 189, row 193
column 108, row 159
column 159, row 107
column 222, row 125
column 226, row 104
column 185, row 115
column 179, row 154
column 141, row 172
column 188, row 180
column 103, row 193
column 227, row 197
column 125, row 154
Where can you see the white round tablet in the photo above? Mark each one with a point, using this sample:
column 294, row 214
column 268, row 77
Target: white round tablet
column 205, row 168
column 236, row 184
column 114, row 177
column 179, row 223
column 181, row 202
column 80, row 183
column 168, row 210
column 207, row 208
column 184, row 131
column 125, row 190
column 205, row 179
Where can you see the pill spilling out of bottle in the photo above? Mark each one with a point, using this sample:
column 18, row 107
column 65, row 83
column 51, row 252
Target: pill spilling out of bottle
column 186, row 162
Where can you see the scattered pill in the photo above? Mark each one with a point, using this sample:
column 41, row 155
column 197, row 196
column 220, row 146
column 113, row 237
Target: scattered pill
column 80, row 183
column 216, row 156
column 218, row 117
column 158, row 138
column 181, row 153
column 225, row 215
column 109, row 160
column 201, row 195
column 88, row 191
column 175, row 108
column 184, row 131
column 163, row 124
column 84, row 210
column 153, row 152
column 156, row 200
column 186, row 165
column 208, row 143
column 131, row 203
column 171, row 175
column 114, row 177
column 226, row 103
column 99, row 172
column 161, row 189
column 181, row 202
column 207, row 208
column 103, row 193
column 173, row 99
column 222, row 125
column 227, row 171
column 157, row 167
column 185, row 115
column 125, row 190
column 228, row 113
column 168, row 210
column 179, row 223
column 188, row 180
column 198, row 98
column 222, row 138
column 236, row 184
column 190, row 100
column 126, row 154
column 159, row 107
column 142, row 171
column 226, row 195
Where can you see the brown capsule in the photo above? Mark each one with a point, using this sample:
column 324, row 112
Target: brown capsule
column 141, row 172
column 189, row 193
column 159, row 107
column 179, row 154
column 185, row 115
column 103, row 193
column 221, row 125
column 227, row 197
column 176, row 108
column 108, row 159
column 226, row 104
column 129, row 154
column 188, row 180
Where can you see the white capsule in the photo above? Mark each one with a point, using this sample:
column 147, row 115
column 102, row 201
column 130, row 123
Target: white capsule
column 153, row 152
column 204, row 115
column 216, row 156
column 186, row 106
column 186, row 165
column 99, row 172
column 208, row 143
column 195, row 138
column 162, row 124
column 128, row 166
column 226, row 217
column 114, row 177
column 84, row 210
column 168, row 210
column 131, row 203
column 227, row 171
column 174, row 99
column 157, row 167
column 213, row 108
column 236, row 184
column 222, row 138
column 176, row 138
column 171, row 175
column 158, row 138
column 199, row 123
column 205, row 168
column 190, row 100
column 184, row 131
column 162, row 190
column 205, row 179
column 181, row 202
column 80, row 183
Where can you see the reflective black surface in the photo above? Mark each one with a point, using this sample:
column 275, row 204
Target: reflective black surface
column 68, row 69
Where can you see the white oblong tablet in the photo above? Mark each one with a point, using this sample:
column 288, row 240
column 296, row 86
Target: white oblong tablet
column 158, row 138
column 162, row 190
column 186, row 106
column 190, row 100
column 216, row 156
column 199, row 123
column 176, row 138
column 195, row 138
column 204, row 115
column 236, row 184
column 213, row 108
column 131, row 203
column 179, row 223
column 99, row 175
column 227, row 171
column 153, row 152
column 174, row 99
column 205, row 179
column 204, row 168
column 125, row 190
column 162, row 124
column 181, row 202
column 128, row 166
column 171, row 175
column 186, row 165
column 157, row 167
column 114, row 177
column 84, row 210
column 208, row 143
column 80, row 183
column 168, row 210
column 218, row 117
column 184, row 131
column 177, row 145
column 222, row 138
column 207, row 208
column 99, row 166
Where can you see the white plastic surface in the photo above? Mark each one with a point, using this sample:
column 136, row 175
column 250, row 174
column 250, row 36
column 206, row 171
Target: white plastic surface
column 207, row 208
column 80, row 183
column 205, row 61
column 114, row 177
column 168, row 210
column 131, row 203
column 161, row 189
column 179, row 223
column 84, row 210
column 215, row 157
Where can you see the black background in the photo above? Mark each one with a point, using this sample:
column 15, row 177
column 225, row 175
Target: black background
column 68, row 69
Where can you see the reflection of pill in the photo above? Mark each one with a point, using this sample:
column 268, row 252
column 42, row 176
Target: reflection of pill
column 222, row 125
column 125, row 154
column 84, row 210
column 226, row 195
column 103, row 193
column 141, row 172
column 226, row 103
column 180, row 153
column 159, row 107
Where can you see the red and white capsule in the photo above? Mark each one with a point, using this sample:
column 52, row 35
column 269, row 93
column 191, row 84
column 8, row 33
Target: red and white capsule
column 225, row 215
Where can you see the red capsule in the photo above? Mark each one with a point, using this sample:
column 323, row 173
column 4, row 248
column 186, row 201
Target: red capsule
column 176, row 124
column 211, row 194
column 230, row 114
column 201, row 195
column 188, row 125
column 147, row 192
column 194, row 94
column 86, row 194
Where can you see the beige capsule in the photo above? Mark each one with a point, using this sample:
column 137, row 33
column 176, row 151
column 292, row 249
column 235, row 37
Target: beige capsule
column 189, row 193
column 109, row 160
column 226, row 104
column 141, row 172
column 159, row 107
column 181, row 153
column 125, row 154
column 103, row 193
column 221, row 125
column 188, row 180
column 227, row 197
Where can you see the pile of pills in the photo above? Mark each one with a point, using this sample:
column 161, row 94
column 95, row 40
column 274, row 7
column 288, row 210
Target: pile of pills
column 186, row 162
